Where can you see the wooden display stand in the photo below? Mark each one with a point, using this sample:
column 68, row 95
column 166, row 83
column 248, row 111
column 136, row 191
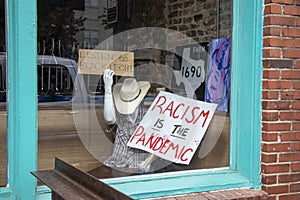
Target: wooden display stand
column 67, row 182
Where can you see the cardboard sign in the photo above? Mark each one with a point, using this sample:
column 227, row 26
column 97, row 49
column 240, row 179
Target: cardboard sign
column 173, row 127
column 96, row 61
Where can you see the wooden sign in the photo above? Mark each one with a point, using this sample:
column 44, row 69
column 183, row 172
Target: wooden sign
column 173, row 127
column 96, row 61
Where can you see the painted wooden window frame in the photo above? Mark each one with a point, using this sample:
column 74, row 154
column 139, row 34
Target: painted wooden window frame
column 244, row 169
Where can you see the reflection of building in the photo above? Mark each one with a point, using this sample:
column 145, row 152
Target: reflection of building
column 94, row 32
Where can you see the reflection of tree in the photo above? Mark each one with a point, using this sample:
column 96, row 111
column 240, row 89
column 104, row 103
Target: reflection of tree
column 57, row 24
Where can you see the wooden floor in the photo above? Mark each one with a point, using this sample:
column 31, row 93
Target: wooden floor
column 58, row 138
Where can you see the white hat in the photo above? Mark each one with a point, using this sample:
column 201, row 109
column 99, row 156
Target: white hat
column 129, row 94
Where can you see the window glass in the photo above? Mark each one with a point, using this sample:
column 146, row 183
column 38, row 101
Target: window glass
column 3, row 116
column 179, row 47
column 91, row 2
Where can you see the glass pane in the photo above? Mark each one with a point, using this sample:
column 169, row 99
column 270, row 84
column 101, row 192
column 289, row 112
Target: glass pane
column 181, row 48
column 3, row 115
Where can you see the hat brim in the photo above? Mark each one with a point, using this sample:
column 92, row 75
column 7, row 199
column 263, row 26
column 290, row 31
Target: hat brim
column 128, row 107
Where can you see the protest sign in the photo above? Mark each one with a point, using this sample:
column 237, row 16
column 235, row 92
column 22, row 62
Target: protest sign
column 96, row 61
column 173, row 127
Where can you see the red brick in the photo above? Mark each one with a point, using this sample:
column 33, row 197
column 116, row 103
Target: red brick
column 297, row 64
column 270, row 116
column 287, row 157
column 209, row 196
column 297, row 22
column 289, row 178
column 296, row 126
column 217, row 195
column 273, row 9
column 289, row 115
column 272, row 197
column 269, row 137
column 277, row 42
column 284, row 1
column 228, row 195
column 291, row 53
column 272, row 31
column 290, row 136
column 296, row 84
column 277, row 189
column 291, row 10
column 269, row 179
column 295, row 187
column 275, row 168
column 271, row 53
column 291, row 32
column 279, row 20
column 293, row 95
column 271, row 126
column 291, row 74
column 270, row 94
column 296, row 105
column 277, row 105
column 296, row 43
column 289, row 197
column 295, row 167
column 277, row 84
column 276, row 147
column 271, row 74
column 295, row 146
column 269, row 158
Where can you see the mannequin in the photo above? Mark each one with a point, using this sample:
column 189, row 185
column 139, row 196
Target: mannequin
column 124, row 107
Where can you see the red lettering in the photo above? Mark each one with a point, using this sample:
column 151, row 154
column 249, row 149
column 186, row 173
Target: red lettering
column 151, row 142
column 193, row 115
column 169, row 108
column 176, row 116
column 181, row 157
column 138, row 132
column 173, row 148
column 142, row 139
column 157, row 140
column 164, row 145
column 186, row 110
column 205, row 115
column 161, row 103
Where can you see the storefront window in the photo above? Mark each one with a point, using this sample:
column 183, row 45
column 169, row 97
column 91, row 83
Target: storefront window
column 3, row 116
column 194, row 64
column 71, row 98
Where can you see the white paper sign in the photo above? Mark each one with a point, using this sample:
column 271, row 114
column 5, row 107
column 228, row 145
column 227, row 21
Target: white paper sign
column 173, row 127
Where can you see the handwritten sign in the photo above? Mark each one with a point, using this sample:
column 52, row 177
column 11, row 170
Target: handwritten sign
column 96, row 61
column 173, row 127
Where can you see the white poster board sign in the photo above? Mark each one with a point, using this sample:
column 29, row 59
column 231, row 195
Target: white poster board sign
column 173, row 127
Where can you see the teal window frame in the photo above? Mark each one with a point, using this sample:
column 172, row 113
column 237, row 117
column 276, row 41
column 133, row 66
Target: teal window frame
column 245, row 141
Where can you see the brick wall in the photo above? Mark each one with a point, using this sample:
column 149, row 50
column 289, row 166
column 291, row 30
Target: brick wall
column 281, row 100
column 200, row 19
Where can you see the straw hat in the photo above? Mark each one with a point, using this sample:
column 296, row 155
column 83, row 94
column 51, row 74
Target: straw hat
column 129, row 94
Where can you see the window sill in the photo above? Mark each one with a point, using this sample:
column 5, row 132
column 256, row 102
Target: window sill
column 5, row 193
column 178, row 183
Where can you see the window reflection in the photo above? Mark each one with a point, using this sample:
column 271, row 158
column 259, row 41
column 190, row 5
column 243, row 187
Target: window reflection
column 66, row 26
